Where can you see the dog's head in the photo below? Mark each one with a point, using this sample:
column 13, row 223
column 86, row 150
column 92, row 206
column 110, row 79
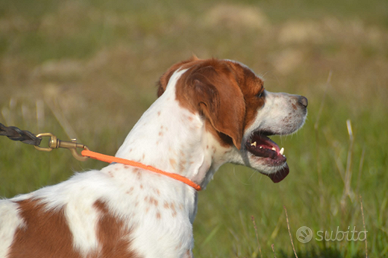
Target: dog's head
column 239, row 113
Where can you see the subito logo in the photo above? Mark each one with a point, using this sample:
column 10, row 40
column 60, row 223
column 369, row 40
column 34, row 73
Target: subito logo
column 304, row 234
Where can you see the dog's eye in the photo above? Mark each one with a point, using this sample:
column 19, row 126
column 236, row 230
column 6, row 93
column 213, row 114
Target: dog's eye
column 260, row 94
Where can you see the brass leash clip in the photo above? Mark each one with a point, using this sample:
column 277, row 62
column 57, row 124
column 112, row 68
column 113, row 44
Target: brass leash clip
column 56, row 143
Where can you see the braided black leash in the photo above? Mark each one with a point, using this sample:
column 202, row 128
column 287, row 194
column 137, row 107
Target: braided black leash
column 16, row 134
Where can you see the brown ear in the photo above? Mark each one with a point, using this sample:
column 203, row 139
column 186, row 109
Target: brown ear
column 219, row 98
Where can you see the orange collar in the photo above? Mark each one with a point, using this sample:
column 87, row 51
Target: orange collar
column 110, row 159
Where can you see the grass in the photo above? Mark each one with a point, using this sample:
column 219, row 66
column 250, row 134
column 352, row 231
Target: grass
column 94, row 64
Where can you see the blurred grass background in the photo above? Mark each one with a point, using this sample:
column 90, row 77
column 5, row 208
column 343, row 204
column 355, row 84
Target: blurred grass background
column 87, row 70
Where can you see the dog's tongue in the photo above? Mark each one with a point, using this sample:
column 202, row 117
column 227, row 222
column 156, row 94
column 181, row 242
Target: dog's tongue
column 279, row 175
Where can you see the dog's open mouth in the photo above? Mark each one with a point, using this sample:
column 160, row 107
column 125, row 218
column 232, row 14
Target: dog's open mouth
column 261, row 146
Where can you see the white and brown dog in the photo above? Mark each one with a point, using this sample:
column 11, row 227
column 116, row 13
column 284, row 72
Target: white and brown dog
column 209, row 112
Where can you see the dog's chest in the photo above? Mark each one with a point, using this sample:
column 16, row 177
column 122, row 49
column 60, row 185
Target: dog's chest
column 158, row 210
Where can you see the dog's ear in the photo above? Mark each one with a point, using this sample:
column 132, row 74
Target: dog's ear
column 218, row 97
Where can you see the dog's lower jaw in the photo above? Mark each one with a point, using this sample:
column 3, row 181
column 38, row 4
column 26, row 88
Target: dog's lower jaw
column 276, row 171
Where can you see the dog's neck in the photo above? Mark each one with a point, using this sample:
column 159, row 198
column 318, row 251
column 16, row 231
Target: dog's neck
column 166, row 137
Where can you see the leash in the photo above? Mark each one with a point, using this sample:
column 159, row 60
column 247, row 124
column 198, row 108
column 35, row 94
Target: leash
column 27, row 137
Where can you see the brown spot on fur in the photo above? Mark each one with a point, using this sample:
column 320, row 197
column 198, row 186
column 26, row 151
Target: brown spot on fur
column 173, row 162
column 158, row 113
column 45, row 233
column 158, row 216
column 174, row 213
column 152, row 201
column 182, row 166
column 166, row 205
column 188, row 254
column 112, row 235
column 294, row 106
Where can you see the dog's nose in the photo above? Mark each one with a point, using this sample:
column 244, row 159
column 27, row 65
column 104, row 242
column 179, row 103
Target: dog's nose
column 303, row 101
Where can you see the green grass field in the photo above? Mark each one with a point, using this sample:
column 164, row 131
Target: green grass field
column 87, row 70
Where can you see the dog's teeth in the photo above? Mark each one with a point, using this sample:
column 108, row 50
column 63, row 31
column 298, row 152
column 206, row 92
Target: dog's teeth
column 261, row 147
column 273, row 148
column 281, row 151
column 253, row 144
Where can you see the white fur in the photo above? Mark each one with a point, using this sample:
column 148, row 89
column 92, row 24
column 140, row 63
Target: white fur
column 9, row 222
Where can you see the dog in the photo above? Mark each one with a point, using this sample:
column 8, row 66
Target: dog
column 209, row 112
